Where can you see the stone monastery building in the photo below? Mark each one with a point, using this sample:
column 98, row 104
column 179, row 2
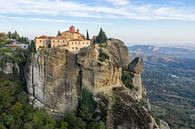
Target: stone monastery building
column 71, row 40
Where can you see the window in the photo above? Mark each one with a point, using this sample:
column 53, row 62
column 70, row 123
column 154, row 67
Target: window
column 40, row 41
column 53, row 41
column 58, row 41
column 83, row 43
column 76, row 47
column 72, row 47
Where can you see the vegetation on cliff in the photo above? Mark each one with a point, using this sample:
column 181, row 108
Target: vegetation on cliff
column 101, row 38
column 103, row 56
column 126, row 76
column 17, row 113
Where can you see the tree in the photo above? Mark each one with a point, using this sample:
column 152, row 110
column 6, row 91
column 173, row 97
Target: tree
column 101, row 38
column 9, row 35
column 15, row 35
column 87, row 35
column 58, row 33
column 96, row 125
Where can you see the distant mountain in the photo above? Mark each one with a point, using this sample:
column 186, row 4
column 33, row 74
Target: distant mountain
column 169, row 77
column 163, row 51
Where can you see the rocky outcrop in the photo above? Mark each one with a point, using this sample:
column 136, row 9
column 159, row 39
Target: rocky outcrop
column 56, row 77
column 8, row 66
column 102, row 76
column 136, row 67
column 52, row 80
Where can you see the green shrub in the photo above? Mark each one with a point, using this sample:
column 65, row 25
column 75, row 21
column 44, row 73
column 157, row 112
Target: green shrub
column 126, row 79
column 87, row 100
column 103, row 45
column 103, row 56
column 96, row 125
column 74, row 122
column 5, row 50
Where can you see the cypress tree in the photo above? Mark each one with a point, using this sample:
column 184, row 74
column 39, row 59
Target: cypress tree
column 58, row 33
column 87, row 35
column 9, row 35
column 101, row 38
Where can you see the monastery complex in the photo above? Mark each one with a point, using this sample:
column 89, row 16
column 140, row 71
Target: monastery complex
column 71, row 40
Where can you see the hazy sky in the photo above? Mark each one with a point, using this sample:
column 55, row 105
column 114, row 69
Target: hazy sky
column 133, row 21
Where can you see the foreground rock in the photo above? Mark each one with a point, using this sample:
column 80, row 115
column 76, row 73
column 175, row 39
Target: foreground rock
column 56, row 79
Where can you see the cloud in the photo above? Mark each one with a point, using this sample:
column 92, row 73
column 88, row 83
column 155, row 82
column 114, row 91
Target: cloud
column 2, row 17
column 119, row 2
column 121, row 9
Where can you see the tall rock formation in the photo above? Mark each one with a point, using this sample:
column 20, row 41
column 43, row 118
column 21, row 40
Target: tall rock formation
column 56, row 79
column 52, row 80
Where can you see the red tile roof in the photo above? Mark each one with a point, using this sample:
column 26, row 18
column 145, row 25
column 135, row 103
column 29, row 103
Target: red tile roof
column 71, row 32
column 44, row 37
column 59, row 37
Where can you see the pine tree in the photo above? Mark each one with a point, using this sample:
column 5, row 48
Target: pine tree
column 58, row 33
column 87, row 35
column 101, row 38
column 9, row 34
column 15, row 35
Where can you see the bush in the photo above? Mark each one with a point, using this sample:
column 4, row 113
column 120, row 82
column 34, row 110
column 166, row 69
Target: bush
column 103, row 45
column 126, row 79
column 74, row 122
column 103, row 56
column 42, row 120
column 87, row 100
column 96, row 125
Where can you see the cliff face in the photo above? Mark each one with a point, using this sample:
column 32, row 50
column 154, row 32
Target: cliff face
column 8, row 66
column 52, row 81
column 56, row 77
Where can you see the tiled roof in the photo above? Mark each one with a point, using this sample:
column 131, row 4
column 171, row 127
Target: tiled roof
column 44, row 37
column 58, row 37
column 70, row 32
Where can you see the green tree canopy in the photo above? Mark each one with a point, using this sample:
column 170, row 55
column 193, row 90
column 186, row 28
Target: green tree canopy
column 101, row 38
column 58, row 33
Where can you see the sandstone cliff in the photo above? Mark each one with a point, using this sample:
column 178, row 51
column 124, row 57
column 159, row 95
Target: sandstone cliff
column 56, row 79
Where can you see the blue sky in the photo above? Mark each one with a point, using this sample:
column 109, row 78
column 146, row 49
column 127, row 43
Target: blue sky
column 159, row 22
